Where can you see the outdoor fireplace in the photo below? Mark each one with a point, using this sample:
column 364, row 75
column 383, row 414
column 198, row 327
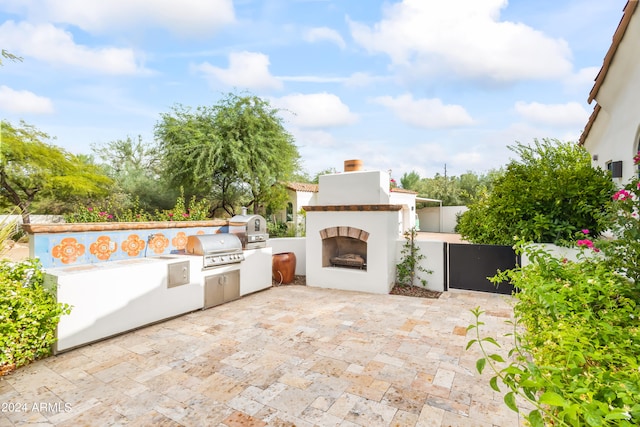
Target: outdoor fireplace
column 352, row 233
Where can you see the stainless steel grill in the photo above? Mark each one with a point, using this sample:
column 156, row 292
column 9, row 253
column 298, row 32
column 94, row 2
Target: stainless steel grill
column 250, row 229
column 216, row 249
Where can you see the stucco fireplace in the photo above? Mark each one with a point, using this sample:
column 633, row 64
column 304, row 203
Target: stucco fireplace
column 352, row 233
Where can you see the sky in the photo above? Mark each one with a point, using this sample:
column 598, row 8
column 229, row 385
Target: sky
column 411, row 85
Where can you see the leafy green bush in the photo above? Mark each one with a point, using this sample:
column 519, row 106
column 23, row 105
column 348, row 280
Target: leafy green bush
column 29, row 314
column 279, row 229
column 546, row 196
column 576, row 344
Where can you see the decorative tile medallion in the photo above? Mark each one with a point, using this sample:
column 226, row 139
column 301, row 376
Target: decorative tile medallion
column 68, row 250
column 180, row 240
column 158, row 243
column 133, row 245
column 103, row 248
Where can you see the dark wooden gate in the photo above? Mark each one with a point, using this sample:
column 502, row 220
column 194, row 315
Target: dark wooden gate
column 470, row 265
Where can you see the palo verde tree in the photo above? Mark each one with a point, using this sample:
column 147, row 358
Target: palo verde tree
column 236, row 152
column 32, row 169
column 546, row 196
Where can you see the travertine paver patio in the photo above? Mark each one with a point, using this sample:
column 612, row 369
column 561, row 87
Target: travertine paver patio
column 290, row 355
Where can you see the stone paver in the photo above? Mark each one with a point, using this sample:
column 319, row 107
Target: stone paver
column 289, row 355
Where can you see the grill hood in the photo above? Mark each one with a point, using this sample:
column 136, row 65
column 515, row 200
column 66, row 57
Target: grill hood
column 208, row 244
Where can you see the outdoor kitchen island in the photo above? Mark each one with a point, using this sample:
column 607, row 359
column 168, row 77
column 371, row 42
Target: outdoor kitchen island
column 110, row 298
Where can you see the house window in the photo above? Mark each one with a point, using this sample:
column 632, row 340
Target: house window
column 289, row 211
column 615, row 168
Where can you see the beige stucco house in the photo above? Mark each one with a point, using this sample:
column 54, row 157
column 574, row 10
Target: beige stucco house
column 612, row 134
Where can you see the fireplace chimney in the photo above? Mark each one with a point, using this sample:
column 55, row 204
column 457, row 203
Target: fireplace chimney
column 352, row 165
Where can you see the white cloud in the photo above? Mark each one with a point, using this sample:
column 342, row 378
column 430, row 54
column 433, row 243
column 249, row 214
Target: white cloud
column 316, row 110
column 570, row 114
column 23, row 101
column 465, row 38
column 426, row 113
column 360, row 79
column 185, row 17
column 323, row 33
column 246, row 70
column 47, row 43
column 583, row 80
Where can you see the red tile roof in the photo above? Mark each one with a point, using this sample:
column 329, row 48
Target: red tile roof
column 302, row 186
column 628, row 10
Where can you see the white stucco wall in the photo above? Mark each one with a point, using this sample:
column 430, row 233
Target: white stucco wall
column 354, row 188
column 615, row 133
column 431, row 217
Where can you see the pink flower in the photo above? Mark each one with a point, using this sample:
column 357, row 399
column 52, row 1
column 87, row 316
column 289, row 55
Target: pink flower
column 586, row 243
column 109, row 216
column 636, row 158
column 622, row 195
column 585, row 231
column 170, row 214
column 102, row 213
column 90, row 209
column 185, row 215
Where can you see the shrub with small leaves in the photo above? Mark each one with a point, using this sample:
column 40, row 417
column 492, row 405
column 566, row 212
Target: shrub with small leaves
column 576, row 342
column 29, row 314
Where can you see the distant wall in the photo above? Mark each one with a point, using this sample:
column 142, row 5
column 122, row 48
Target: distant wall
column 35, row 219
column 430, row 218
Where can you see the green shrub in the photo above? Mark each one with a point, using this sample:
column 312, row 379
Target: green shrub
column 576, row 344
column 545, row 196
column 29, row 314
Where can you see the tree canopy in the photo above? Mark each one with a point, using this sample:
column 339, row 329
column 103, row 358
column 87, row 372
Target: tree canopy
column 547, row 195
column 137, row 169
column 452, row 190
column 31, row 169
column 236, row 152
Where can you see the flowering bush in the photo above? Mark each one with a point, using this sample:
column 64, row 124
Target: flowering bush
column 196, row 210
column 575, row 343
column 623, row 250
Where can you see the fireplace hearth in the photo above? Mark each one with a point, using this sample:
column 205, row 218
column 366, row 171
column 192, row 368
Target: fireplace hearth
column 344, row 247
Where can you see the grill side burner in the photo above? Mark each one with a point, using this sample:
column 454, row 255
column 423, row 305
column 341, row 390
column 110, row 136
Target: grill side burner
column 216, row 249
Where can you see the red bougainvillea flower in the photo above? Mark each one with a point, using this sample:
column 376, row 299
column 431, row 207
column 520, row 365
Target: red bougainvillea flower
column 585, row 231
column 586, row 243
column 622, row 195
column 636, row 158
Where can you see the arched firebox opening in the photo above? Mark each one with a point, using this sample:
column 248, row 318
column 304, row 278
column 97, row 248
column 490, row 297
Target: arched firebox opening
column 344, row 247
